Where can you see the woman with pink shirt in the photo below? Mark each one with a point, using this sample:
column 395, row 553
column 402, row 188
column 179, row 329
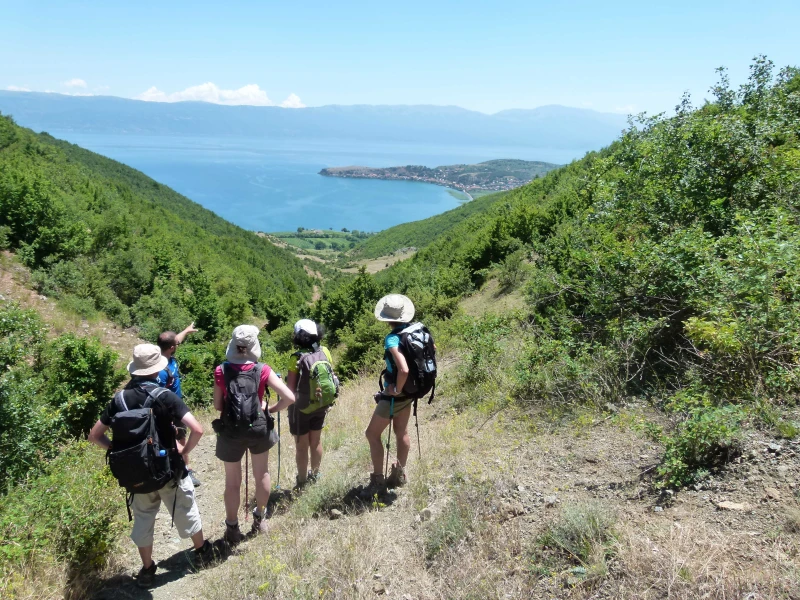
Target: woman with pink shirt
column 240, row 384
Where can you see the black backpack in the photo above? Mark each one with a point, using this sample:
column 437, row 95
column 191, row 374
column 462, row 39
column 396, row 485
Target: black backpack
column 137, row 458
column 242, row 404
column 417, row 347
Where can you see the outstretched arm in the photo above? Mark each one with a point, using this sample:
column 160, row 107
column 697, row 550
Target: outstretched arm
column 285, row 395
column 179, row 337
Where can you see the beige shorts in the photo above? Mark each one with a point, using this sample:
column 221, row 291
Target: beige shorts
column 384, row 407
column 145, row 508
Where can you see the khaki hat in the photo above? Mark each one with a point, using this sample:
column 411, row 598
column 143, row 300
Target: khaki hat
column 147, row 360
column 244, row 347
column 394, row 307
column 306, row 325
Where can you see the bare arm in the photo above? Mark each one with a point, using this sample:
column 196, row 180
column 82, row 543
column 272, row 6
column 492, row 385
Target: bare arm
column 98, row 435
column 402, row 371
column 285, row 395
column 179, row 337
column 219, row 400
column 195, row 433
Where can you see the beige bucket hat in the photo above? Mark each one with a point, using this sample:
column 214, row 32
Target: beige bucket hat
column 244, row 347
column 394, row 307
column 147, row 360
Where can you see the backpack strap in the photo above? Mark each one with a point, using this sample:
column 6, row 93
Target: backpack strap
column 119, row 400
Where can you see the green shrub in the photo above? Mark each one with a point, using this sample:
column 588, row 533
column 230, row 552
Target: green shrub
column 72, row 513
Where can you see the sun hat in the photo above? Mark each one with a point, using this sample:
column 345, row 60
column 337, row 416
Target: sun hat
column 244, row 347
column 306, row 325
column 147, row 360
column 394, row 307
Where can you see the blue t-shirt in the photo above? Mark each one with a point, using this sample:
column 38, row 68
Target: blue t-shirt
column 170, row 378
column 391, row 341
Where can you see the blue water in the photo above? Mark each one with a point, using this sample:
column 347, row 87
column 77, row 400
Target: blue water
column 274, row 185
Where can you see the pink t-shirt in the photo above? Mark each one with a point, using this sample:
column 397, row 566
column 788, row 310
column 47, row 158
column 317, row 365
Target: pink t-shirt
column 219, row 378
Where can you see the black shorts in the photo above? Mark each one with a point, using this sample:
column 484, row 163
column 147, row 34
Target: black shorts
column 301, row 423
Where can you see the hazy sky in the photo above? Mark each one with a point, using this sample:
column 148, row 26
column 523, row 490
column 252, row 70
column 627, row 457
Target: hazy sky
column 487, row 56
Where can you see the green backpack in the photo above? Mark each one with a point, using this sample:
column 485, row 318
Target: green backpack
column 317, row 385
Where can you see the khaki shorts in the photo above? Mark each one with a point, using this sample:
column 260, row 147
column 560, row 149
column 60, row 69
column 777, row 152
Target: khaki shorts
column 145, row 508
column 385, row 406
column 231, row 448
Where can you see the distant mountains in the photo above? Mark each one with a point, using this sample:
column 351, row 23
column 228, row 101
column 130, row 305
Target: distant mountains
column 492, row 175
column 546, row 127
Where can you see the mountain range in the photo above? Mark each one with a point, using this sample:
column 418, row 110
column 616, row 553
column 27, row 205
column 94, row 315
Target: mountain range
column 551, row 126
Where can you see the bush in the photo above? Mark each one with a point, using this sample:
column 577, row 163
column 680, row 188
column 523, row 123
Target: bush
column 72, row 515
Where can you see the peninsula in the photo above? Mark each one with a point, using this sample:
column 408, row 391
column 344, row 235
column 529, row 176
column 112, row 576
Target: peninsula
column 489, row 176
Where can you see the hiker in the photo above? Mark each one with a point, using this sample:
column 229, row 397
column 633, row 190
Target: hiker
column 239, row 387
column 310, row 367
column 393, row 405
column 170, row 378
column 177, row 494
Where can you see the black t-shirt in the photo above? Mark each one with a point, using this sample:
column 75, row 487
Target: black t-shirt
column 168, row 408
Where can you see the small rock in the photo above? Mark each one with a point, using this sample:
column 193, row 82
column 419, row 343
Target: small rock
column 42, row 297
column 658, row 509
column 550, row 500
column 425, row 514
column 336, row 513
column 378, row 588
column 728, row 505
column 775, row 448
column 592, row 459
column 772, row 493
column 521, row 488
column 783, row 471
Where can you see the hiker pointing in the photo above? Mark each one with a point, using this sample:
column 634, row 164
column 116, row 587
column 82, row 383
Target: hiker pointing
column 245, row 424
column 145, row 458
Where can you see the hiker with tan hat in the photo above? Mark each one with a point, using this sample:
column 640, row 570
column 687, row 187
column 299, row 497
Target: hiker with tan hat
column 310, row 376
column 240, row 385
column 145, row 458
column 393, row 407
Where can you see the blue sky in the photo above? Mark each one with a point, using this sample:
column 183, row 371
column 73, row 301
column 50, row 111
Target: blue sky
column 487, row 56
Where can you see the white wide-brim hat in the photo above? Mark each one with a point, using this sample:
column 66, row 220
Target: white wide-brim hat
column 306, row 325
column 147, row 360
column 244, row 347
column 394, row 307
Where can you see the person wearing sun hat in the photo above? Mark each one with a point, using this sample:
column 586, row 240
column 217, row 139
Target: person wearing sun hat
column 392, row 406
column 178, row 495
column 306, row 427
column 243, row 373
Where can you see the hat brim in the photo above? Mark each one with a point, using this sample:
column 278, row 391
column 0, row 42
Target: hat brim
column 252, row 355
column 405, row 315
column 162, row 363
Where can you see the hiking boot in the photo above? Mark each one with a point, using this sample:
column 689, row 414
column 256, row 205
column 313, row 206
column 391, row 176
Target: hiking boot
column 313, row 477
column 259, row 524
column 233, row 534
column 146, row 577
column 299, row 485
column 377, row 485
column 195, row 480
column 397, row 476
column 205, row 555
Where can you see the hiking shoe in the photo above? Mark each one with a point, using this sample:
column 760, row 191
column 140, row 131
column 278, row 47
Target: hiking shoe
column 259, row 524
column 397, row 476
column 377, row 485
column 147, row 576
column 314, row 477
column 195, row 480
column 299, row 485
column 204, row 555
column 233, row 534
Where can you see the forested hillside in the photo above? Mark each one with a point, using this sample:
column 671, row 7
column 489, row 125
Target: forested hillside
column 662, row 267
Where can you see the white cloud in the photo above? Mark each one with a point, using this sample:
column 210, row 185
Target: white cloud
column 251, row 95
column 16, row 88
column 627, row 109
column 293, row 101
column 80, row 83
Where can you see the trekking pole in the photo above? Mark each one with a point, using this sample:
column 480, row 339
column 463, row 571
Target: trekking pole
column 246, row 481
column 278, row 486
column 416, row 424
column 389, row 438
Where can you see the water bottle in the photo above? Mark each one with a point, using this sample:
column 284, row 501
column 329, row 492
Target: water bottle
column 162, row 452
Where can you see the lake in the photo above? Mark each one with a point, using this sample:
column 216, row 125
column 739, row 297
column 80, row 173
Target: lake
column 274, row 185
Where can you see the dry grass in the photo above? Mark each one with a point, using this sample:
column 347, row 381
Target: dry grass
column 491, row 300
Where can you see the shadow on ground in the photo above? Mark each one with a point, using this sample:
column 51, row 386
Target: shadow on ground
column 124, row 587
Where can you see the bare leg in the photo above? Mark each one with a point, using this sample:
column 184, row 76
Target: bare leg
column 374, row 430
column 233, row 485
column 263, row 483
column 315, row 445
column 198, row 540
column 301, row 456
column 146, row 552
column 400, row 426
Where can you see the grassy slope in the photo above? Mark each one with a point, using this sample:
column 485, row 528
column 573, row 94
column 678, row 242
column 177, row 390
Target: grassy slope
column 419, row 234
